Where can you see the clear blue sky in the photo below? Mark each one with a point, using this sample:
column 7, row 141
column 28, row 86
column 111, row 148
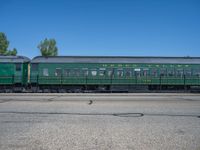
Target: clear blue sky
column 104, row 27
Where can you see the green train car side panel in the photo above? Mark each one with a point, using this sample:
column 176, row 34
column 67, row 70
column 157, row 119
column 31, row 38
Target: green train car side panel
column 6, row 73
column 21, row 75
column 38, row 76
column 10, row 75
column 24, row 73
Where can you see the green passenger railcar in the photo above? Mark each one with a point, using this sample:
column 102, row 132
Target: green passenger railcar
column 89, row 71
column 13, row 71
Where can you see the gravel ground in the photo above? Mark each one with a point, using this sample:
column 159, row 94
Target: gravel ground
column 135, row 122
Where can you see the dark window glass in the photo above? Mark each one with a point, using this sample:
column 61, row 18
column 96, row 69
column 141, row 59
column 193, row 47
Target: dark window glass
column 18, row 67
column 179, row 72
column 120, row 73
column 163, row 72
column 77, row 72
column 72, row 72
column 128, row 72
column 67, row 72
column 137, row 72
column 145, row 72
column 34, row 67
column 154, row 72
column 85, row 71
column 170, row 72
column 187, row 72
column 196, row 72
column 58, row 72
column 102, row 71
column 45, row 72
column 110, row 72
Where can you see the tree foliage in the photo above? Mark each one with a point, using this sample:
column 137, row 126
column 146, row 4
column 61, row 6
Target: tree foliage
column 13, row 52
column 4, row 44
column 48, row 47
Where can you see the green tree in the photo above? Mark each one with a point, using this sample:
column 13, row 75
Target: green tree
column 48, row 47
column 4, row 43
column 13, row 52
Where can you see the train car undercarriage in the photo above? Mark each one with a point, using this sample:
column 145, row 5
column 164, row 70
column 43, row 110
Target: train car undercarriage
column 34, row 88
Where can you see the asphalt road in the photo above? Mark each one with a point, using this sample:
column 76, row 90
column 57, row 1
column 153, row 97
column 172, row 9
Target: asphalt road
column 100, row 121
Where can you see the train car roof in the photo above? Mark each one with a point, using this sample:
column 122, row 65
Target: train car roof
column 13, row 59
column 116, row 59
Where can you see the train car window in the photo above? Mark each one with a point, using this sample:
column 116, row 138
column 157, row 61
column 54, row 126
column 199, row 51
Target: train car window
column 163, row 72
column 120, row 73
column 137, row 72
column 67, row 72
column 110, row 72
column 102, row 71
column 18, row 67
column 154, row 72
column 196, row 72
column 77, row 72
column 128, row 72
column 58, row 72
column 93, row 72
column 72, row 72
column 34, row 67
column 170, row 72
column 145, row 72
column 179, row 72
column 187, row 72
column 85, row 71
column 45, row 72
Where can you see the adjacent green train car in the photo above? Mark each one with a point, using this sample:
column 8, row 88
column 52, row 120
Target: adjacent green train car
column 13, row 72
column 101, row 72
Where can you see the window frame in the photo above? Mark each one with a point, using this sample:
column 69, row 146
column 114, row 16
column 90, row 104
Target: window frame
column 58, row 74
column 85, row 72
column 163, row 72
column 128, row 70
column 137, row 72
column 110, row 72
column 93, row 71
column 102, row 72
column 188, row 72
column 120, row 72
column 179, row 72
column 34, row 66
column 170, row 72
column 145, row 72
column 18, row 67
column 45, row 72
column 77, row 72
column 66, row 72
